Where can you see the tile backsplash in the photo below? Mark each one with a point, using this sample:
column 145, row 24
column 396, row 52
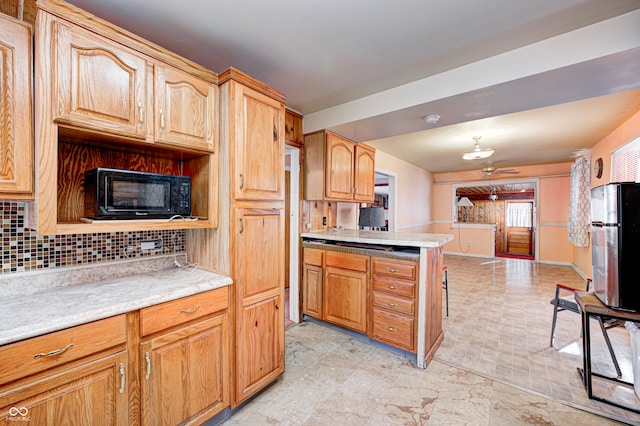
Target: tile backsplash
column 24, row 250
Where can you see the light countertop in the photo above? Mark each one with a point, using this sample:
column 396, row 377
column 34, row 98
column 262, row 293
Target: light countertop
column 54, row 308
column 407, row 239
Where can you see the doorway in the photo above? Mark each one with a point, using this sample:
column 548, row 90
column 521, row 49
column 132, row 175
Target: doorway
column 292, row 235
column 510, row 206
column 385, row 196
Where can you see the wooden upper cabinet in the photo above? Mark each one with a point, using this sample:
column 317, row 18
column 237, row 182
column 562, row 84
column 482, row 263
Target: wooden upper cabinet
column 99, row 85
column 16, row 135
column 185, row 109
column 340, row 166
column 365, row 170
column 293, row 128
column 337, row 169
column 259, row 153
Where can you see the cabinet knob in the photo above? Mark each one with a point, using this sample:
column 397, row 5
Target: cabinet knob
column 391, row 328
column 393, row 305
column 393, row 270
column 391, row 287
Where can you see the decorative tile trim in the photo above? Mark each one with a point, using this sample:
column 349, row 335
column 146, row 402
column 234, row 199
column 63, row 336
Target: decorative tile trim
column 24, row 250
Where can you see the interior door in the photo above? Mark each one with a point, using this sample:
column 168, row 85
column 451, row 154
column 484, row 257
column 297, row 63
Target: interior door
column 519, row 223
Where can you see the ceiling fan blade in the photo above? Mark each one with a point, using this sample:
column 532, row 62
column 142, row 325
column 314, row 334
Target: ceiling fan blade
column 508, row 171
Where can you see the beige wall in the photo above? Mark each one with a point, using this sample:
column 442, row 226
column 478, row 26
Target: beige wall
column 553, row 214
column 414, row 192
column 628, row 131
column 553, row 211
column 413, row 202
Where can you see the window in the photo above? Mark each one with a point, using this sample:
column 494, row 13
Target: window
column 625, row 162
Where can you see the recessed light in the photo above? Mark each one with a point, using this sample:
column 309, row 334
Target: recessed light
column 432, row 118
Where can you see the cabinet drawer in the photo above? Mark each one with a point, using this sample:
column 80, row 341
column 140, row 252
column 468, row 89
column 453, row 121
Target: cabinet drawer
column 393, row 303
column 169, row 314
column 30, row 356
column 397, row 330
column 394, row 268
column 313, row 256
column 355, row 262
column 394, row 286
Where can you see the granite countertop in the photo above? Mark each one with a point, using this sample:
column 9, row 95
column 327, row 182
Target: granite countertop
column 55, row 307
column 406, row 239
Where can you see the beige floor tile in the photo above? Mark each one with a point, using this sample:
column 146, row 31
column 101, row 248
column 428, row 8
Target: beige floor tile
column 494, row 367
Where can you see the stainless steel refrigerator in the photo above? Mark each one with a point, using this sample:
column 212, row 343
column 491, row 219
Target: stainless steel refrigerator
column 615, row 244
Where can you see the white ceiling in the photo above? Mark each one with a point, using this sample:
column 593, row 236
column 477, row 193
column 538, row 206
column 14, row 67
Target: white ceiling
column 517, row 73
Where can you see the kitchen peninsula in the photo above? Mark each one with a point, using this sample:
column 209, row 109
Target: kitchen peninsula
column 385, row 284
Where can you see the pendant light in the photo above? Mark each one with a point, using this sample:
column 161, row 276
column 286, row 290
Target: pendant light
column 478, row 153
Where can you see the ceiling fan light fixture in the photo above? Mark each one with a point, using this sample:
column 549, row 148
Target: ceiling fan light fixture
column 478, row 153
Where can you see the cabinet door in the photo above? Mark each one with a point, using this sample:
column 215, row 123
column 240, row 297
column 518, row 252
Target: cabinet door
column 365, row 160
column 100, row 85
column 260, row 253
column 185, row 373
column 260, row 350
column 92, row 393
column 259, row 272
column 345, row 298
column 184, row 109
column 259, row 153
column 16, row 137
column 339, row 168
column 312, row 290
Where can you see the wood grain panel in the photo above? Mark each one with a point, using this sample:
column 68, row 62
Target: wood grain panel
column 19, row 359
column 345, row 297
column 355, row 262
column 75, row 159
column 176, row 312
column 16, row 134
column 88, row 394
column 397, row 330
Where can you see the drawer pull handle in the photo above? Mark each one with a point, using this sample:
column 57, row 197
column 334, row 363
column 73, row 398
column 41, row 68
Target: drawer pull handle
column 393, row 305
column 241, row 225
column 122, row 379
column 147, row 358
column 161, row 120
column 393, row 270
column 391, row 328
column 241, row 181
column 189, row 311
column 391, row 287
column 54, row 353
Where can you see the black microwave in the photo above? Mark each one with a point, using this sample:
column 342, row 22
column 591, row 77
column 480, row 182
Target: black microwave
column 124, row 194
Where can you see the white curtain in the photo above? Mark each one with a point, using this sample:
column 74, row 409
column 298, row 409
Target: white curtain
column 580, row 203
column 519, row 214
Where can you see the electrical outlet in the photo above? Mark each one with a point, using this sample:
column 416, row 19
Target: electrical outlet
column 147, row 245
column 307, row 225
column 469, row 244
column 324, row 221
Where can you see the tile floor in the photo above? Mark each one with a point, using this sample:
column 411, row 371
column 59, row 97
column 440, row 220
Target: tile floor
column 494, row 366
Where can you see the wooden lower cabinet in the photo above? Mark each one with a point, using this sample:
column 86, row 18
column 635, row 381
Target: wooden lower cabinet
column 345, row 292
column 94, row 392
column 167, row 364
column 260, row 357
column 312, row 282
column 185, row 374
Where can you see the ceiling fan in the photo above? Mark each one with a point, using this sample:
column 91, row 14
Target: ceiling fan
column 491, row 169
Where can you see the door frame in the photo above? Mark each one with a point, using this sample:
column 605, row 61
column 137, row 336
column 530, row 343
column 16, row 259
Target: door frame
column 536, row 203
column 392, row 200
column 294, row 233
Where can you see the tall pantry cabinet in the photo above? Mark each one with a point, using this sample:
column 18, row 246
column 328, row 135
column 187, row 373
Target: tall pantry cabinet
column 253, row 142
